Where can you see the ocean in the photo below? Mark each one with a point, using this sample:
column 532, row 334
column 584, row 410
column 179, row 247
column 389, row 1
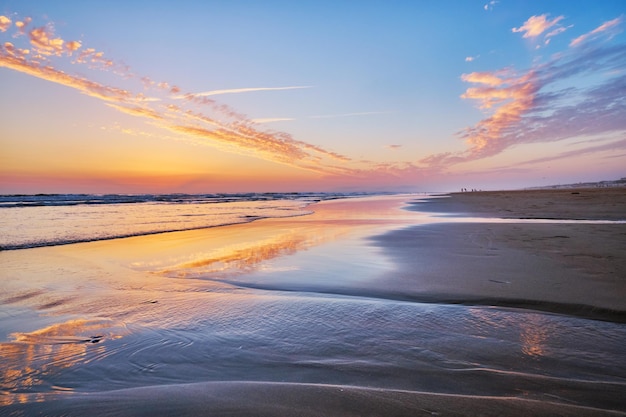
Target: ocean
column 279, row 300
column 28, row 221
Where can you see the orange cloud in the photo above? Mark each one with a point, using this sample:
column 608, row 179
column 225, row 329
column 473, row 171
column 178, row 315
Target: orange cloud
column 21, row 24
column 611, row 24
column 5, row 23
column 482, row 78
column 48, row 73
column 13, row 51
column 536, row 25
column 485, row 137
column 137, row 111
column 90, row 56
column 333, row 155
column 72, row 46
column 238, row 143
column 41, row 40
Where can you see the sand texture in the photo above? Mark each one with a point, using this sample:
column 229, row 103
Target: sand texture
column 572, row 268
column 298, row 400
column 583, row 203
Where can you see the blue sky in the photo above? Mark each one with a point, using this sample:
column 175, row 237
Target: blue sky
column 407, row 95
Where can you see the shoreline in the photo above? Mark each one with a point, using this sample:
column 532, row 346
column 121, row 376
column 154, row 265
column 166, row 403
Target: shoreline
column 566, row 268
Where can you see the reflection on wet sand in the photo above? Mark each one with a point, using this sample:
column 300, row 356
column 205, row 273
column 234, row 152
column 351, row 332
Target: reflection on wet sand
column 244, row 257
column 533, row 336
column 242, row 249
column 533, row 331
column 30, row 358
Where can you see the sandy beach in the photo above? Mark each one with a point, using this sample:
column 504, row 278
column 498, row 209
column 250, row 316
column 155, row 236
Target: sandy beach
column 563, row 203
column 370, row 306
column 573, row 268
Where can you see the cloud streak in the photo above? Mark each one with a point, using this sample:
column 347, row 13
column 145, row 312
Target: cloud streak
column 9, row 59
column 246, row 90
column 612, row 146
column 611, row 25
column 333, row 116
column 272, row 120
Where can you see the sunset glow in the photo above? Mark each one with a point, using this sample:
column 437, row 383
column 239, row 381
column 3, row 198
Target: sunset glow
column 308, row 96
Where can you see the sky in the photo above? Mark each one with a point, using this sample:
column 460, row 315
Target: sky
column 272, row 96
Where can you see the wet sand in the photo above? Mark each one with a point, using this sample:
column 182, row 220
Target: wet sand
column 570, row 268
column 302, row 400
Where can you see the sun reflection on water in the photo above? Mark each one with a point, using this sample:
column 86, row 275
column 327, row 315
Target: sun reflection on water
column 238, row 257
column 531, row 331
column 533, row 335
column 30, row 359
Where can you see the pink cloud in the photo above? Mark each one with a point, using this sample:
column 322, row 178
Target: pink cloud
column 606, row 26
column 536, row 25
column 487, row 78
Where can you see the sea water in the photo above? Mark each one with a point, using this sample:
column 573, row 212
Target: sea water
column 28, row 221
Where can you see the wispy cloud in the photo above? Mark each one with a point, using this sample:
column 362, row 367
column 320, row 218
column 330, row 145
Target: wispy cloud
column 471, row 58
column 618, row 145
column 535, row 26
column 332, row 116
column 272, row 120
column 490, row 5
column 611, row 25
column 246, row 90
